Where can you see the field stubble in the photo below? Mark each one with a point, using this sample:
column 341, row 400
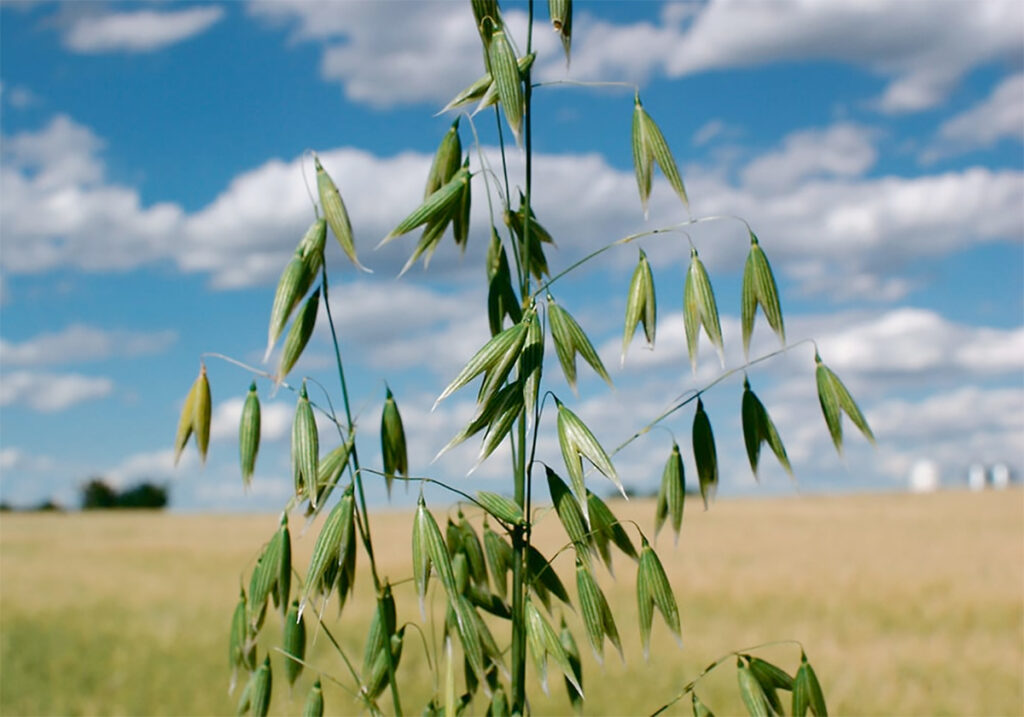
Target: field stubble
column 910, row 605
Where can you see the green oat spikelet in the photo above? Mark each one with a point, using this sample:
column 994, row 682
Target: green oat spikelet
column 654, row 591
column 672, row 494
column 759, row 289
column 571, row 340
column 392, row 442
column 195, row 417
column 294, row 643
column 704, row 454
column 298, row 335
column 314, row 706
column 649, row 146
column 641, row 305
column 249, row 434
column 577, row 442
column 336, row 214
column 758, row 428
column 295, row 280
column 305, row 448
column 700, row 309
column 835, row 400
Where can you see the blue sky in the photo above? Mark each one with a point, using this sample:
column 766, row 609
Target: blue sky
column 151, row 191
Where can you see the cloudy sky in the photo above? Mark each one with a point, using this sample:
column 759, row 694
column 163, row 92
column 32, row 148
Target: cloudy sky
column 151, row 191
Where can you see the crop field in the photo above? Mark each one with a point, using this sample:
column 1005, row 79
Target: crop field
column 906, row 605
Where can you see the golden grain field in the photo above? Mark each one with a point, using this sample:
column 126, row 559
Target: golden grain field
column 906, row 604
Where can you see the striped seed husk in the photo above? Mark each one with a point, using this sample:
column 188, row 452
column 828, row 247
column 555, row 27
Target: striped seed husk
column 641, row 306
column 547, row 642
column 597, row 616
column 435, row 206
column 501, row 424
column 497, row 357
column 305, row 448
column 314, row 706
column 238, row 634
column 577, row 442
column 807, row 691
column 654, row 591
column 295, row 280
column 262, row 684
column 767, row 676
column 561, row 21
column 754, row 698
column 282, row 588
column 392, row 439
column 294, row 642
column 265, row 577
column 570, row 339
column 543, row 578
column 606, row 529
column 468, row 623
column 499, row 559
column 700, row 309
column 641, row 154
column 336, row 214
column 672, row 495
column 699, row 708
column 185, row 421
column 474, row 553
column 570, row 515
column 660, row 153
column 704, row 454
column 572, row 652
column 437, row 551
column 328, row 546
column 836, row 399
column 420, row 556
column 502, row 508
column 446, row 162
column 758, row 428
column 504, row 69
column 759, row 289
column 532, row 363
column 201, row 412
column 328, row 472
column 382, row 627
column 249, row 434
column 298, row 335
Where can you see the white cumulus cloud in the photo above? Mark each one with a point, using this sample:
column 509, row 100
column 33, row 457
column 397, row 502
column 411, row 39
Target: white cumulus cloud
column 51, row 392
column 999, row 116
column 137, row 30
column 78, row 342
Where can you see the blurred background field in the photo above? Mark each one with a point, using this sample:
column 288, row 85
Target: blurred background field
column 906, row 604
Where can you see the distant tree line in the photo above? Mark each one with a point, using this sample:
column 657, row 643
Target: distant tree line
column 98, row 495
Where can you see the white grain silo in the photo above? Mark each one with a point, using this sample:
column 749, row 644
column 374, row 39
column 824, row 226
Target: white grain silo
column 977, row 477
column 924, row 476
column 1000, row 476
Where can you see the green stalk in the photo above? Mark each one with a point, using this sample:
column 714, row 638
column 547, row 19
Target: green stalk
column 521, row 537
column 364, row 522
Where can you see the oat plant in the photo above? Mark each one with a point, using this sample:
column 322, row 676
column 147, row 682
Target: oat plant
column 494, row 630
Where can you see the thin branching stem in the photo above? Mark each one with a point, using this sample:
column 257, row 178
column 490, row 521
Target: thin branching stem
column 586, row 83
column 680, row 402
column 364, row 519
column 717, row 663
column 672, row 228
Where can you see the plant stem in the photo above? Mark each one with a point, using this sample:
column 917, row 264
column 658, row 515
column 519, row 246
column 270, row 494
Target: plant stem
column 521, row 535
column 364, row 517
